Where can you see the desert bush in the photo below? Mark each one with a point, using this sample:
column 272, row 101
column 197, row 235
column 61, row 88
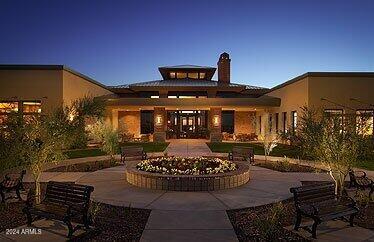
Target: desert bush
column 270, row 226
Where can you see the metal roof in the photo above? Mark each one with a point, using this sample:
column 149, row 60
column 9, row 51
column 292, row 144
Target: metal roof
column 187, row 67
column 186, row 83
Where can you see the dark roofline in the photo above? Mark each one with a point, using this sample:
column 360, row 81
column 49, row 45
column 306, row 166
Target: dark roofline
column 323, row 74
column 53, row 67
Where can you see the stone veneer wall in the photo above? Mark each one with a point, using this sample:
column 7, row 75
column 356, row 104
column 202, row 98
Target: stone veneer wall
column 129, row 121
column 244, row 122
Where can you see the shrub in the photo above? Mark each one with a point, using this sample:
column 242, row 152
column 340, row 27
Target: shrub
column 270, row 227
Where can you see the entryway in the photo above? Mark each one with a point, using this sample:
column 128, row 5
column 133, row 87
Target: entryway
column 187, row 124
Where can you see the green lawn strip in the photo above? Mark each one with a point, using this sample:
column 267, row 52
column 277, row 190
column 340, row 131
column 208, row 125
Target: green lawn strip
column 366, row 164
column 147, row 146
column 72, row 154
column 280, row 150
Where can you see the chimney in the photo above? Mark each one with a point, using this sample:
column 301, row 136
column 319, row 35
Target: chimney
column 224, row 68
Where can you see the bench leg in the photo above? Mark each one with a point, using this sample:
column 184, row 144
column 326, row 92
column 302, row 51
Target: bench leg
column 351, row 218
column 18, row 194
column 314, row 229
column 70, row 227
column 28, row 216
column 298, row 221
column 2, row 196
column 86, row 222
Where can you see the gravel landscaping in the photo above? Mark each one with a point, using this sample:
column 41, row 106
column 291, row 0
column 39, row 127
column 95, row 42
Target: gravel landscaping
column 287, row 167
column 111, row 223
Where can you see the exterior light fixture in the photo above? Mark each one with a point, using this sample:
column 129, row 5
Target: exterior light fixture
column 216, row 120
column 159, row 120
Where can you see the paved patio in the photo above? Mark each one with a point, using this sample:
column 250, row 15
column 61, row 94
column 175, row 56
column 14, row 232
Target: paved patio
column 192, row 216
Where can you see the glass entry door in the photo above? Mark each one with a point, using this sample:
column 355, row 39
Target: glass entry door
column 187, row 124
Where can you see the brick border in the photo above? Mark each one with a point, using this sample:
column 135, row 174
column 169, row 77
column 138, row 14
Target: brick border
column 187, row 182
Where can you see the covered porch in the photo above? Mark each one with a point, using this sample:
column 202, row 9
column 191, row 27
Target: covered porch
column 175, row 118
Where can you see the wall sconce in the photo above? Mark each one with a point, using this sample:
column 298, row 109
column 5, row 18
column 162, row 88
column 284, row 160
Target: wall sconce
column 216, row 120
column 158, row 120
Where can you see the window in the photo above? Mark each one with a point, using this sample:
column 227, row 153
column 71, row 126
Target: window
column 32, row 107
column 276, row 122
column 172, row 96
column 284, row 122
column 294, row 120
column 146, row 122
column 365, row 121
column 172, row 75
column 228, row 121
column 181, row 75
column 155, row 96
column 270, row 123
column 335, row 113
column 202, row 75
column 7, row 107
column 193, row 75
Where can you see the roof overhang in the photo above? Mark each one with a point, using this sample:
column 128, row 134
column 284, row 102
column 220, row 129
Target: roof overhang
column 194, row 103
column 208, row 70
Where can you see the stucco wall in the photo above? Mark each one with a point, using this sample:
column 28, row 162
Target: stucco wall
column 293, row 97
column 129, row 121
column 340, row 90
column 42, row 85
column 244, row 122
column 75, row 87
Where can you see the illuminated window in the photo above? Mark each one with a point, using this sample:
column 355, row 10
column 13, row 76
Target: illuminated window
column 172, row 96
column 32, row 107
column 202, row 75
column 187, row 96
column 365, row 121
column 7, row 107
column 155, row 96
column 193, row 75
column 172, row 75
column 181, row 75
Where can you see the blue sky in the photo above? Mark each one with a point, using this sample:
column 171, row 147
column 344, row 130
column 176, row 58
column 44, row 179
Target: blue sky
column 117, row 42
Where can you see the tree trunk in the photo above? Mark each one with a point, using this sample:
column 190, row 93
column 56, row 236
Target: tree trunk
column 37, row 192
column 339, row 179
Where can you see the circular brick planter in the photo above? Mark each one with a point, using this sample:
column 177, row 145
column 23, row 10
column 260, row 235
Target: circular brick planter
column 187, row 182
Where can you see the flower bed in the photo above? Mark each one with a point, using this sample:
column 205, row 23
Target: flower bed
column 186, row 166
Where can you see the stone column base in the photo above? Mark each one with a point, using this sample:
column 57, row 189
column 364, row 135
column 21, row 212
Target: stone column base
column 215, row 137
column 159, row 136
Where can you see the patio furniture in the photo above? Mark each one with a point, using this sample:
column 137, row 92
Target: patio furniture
column 64, row 202
column 242, row 152
column 132, row 151
column 320, row 203
column 360, row 180
column 12, row 182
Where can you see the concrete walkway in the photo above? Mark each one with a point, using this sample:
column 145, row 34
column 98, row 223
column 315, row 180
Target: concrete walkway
column 193, row 216
column 188, row 147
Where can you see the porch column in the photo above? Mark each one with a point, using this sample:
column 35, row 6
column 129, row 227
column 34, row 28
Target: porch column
column 115, row 119
column 160, row 117
column 215, row 119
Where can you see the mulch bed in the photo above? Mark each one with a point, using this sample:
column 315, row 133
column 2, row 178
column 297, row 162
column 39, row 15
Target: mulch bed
column 86, row 166
column 288, row 167
column 111, row 223
column 246, row 230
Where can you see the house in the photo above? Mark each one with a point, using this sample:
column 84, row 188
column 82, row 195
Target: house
column 186, row 102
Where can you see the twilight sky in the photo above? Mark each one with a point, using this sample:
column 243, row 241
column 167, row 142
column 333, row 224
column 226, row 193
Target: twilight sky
column 118, row 42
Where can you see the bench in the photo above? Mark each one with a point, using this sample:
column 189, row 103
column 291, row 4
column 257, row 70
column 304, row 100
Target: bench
column 12, row 182
column 132, row 151
column 320, row 203
column 360, row 180
column 64, row 202
column 243, row 152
